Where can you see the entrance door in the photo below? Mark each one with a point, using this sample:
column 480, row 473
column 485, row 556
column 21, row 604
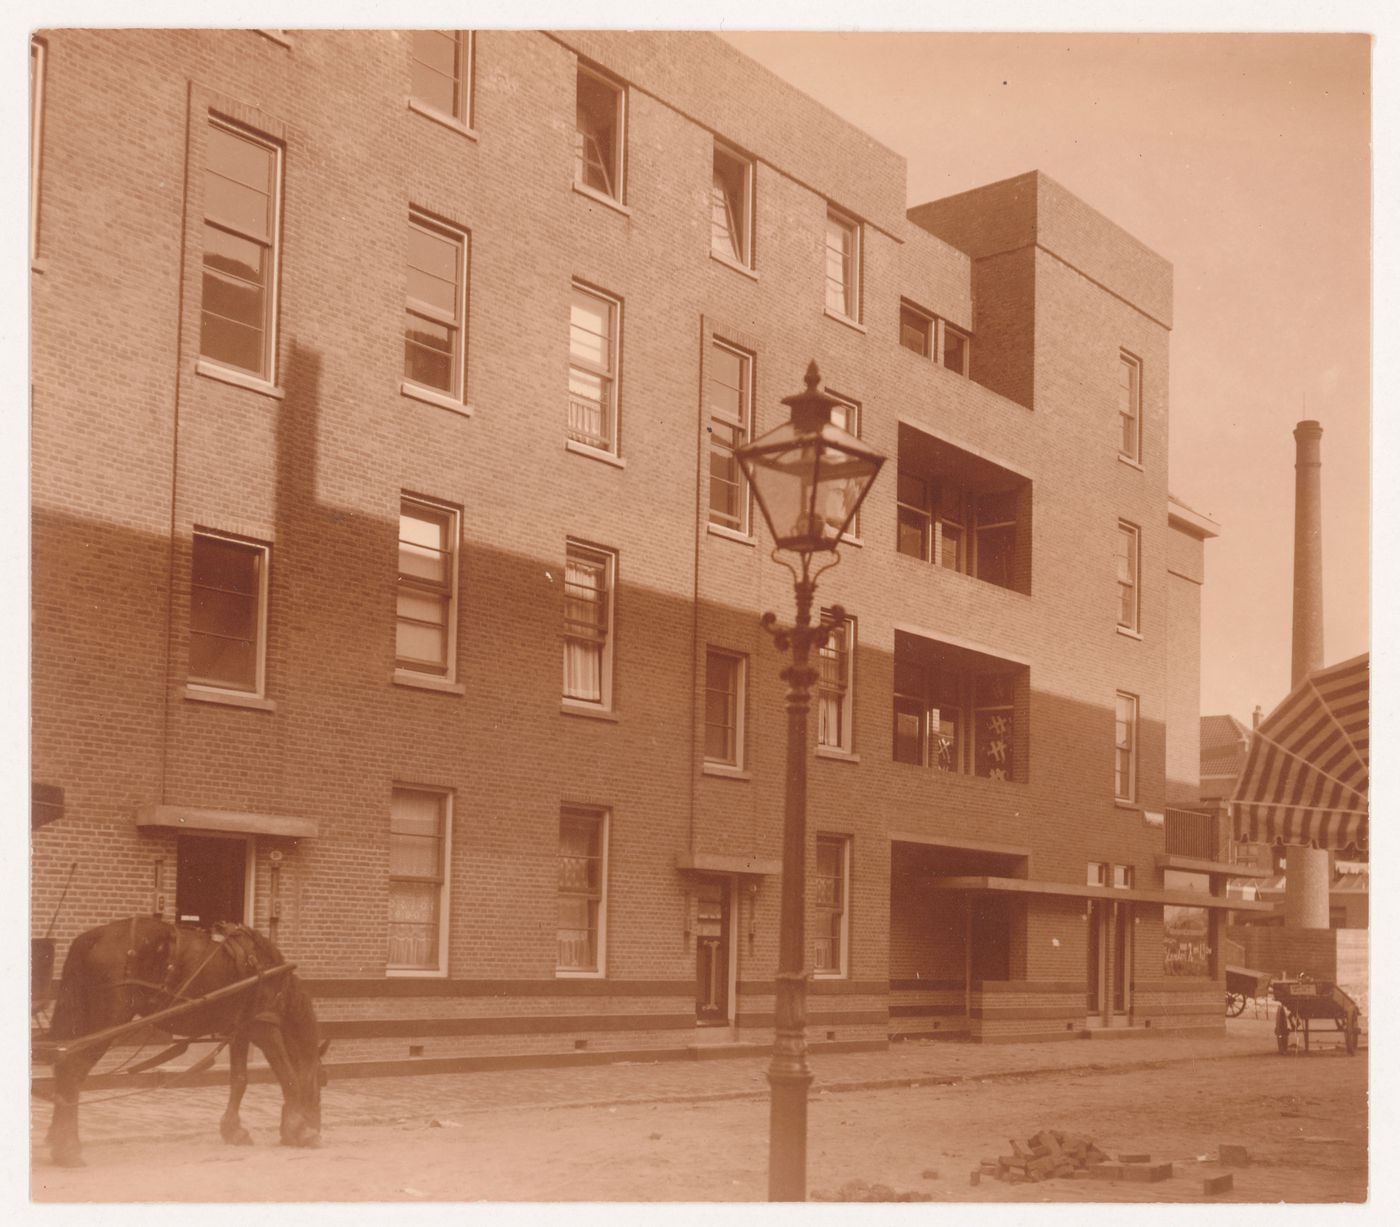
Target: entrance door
column 211, row 879
column 1110, row 956
column 712, row 952
column 1097, row 908
column 1122, row 955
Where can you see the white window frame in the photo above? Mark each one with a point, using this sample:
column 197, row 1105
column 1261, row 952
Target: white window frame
column 944, row 328
column 615, row 193
column 742, row 425
column 445, row 798
column 1123, row 877
column 923, row 510
column 1097, row 874
column 457, row 393
column 463, row 80
column 451, row 517
column 852, row 415
column 842, row 970
column 607, row 559
column 852, row 289
column 38, row 68
column 1125, row 792
column 608, row 441
column 603, row 817
column 1132, row 534
column 925, row 317
column 264, row 551
column 742, row 221
column 842, row 639
column 1133, row 366
column 738, row 698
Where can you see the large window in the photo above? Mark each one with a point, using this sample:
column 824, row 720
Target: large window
column 228, row 613
column 599, row 133
column 442, row 72
column 419, row 831
column 427, row 588
column 1129, row 407
column 582, row 890
column 589, row 578
column 731, row 206
column 843, row 260
column 835, row 685
column 594, row 320
column 241, row 184
column 724, row 708
column 830, row 894
column 955, row 718
column 1125, row 737
column 729, row 395
column 1128, row 539
column 434, row 337
column 1187, row 937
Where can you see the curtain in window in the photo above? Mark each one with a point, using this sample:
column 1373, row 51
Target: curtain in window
column 585, row 628
column 415, row 878
column 580, row 888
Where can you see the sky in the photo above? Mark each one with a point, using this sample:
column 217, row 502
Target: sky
column 1242, row 159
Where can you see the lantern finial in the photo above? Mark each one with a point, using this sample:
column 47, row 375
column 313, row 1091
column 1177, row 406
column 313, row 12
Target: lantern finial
column 813, row 377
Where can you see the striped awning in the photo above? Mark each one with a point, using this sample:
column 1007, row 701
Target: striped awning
column 1306, row 775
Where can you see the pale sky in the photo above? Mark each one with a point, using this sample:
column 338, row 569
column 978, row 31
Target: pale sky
column 1243, row 160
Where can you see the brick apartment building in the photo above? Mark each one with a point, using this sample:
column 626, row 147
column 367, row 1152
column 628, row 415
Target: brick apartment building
column 395, row 590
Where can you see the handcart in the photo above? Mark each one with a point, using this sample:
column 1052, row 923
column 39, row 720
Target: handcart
column 1241, row 984
column 1304, row 1000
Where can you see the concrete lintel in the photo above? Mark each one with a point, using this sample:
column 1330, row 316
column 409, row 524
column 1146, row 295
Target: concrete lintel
column 720, row 862
column 1026, row 886
column 1224, row 869
column 242, row 822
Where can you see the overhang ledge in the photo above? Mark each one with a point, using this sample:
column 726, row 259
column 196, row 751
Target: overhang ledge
column 239, row 822
column 720, row 862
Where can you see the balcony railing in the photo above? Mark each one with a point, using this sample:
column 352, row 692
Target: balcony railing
column 590, row 422
column 1193, row 834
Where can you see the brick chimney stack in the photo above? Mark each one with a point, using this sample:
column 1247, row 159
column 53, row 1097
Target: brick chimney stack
column 1307, row 552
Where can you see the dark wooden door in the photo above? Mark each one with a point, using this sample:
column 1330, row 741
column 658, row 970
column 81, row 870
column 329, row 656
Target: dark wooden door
column 210, row 880
column 712, row 952
column 1097, row 907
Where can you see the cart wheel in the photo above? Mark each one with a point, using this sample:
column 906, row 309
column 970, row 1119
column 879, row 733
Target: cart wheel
column 1234, row 1005
column 1281, row 1030
column 1353, row 1032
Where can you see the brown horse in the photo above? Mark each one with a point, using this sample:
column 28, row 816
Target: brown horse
column 132, row 968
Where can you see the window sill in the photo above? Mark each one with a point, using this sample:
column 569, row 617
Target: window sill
column 1129, row 633
column 592, row 194
column 276, row 36
column 588, row 711
column 844, row 319
column 830, row 975
column 730, row 534
column 229, row 698
column 441, row 117
column 38, row 265
column 729, row 262
column 847, row 539
column 411, row 973
column 837, row 756
column 1119, row 803
column 226, row 374
column 725, row 771
column 426, row 681
column 1130, row 462
column 594, row 453
column 561, row 973
column 430, row 396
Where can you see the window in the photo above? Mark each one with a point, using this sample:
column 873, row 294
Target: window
column 582, row 889
column 835, row 675
column 1128, row 538
column 846, row 414
column 731, row 206
column 842, row 265
column 37, row 54
column 1123, row 877
column 957, row 720
column 915, row 330
column 228, row 613
column 724, row 708
column 427, row 590
column 956, row 348
column 1125, row 747
column 418, row 857
column 1098, row 873
column 433, row 347
column 441, row 72
column 915, row 520
column 598, row 136
column 931, row 336
column 831, row 889
column 593, row 347
column 241, row 183
column 589, row 578
column 1130, row 407
column 729, row 393
column 1188, row 933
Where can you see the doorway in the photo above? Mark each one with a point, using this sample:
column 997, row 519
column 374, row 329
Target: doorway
column 1110, row 957
column 212, row 879
column 712, row 908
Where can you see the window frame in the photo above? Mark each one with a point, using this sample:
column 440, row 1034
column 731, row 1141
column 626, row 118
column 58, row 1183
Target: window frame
column 449, row 517
column 570, row 811
column 1125, row 793
column 576, row 549
column 745, row 218
column 38, row 87
column 926, row 318
column 443, row 880
column 854, row 413
column 743, row 427
column 420, row 220
column 922, row 511
column 944, row 328
column 611, row 377
column 463, row 79
column 846, row 631
column 263, row 550
column 618, row 171
column 852, row 292
column 842, row 968
column 1132, row 364
column 1132, row 534
column 738, row 702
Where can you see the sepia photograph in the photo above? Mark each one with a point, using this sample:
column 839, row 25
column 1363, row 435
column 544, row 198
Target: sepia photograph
column 749, row 615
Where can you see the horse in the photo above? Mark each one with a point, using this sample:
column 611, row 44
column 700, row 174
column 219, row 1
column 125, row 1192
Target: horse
column 132, row 968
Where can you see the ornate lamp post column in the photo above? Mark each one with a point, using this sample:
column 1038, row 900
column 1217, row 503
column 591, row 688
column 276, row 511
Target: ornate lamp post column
column 810, row 478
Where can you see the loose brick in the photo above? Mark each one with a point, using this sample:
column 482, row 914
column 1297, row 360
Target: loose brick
column 1218, row 1184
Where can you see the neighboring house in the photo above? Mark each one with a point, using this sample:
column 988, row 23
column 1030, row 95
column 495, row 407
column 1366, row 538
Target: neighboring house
column 395, row 589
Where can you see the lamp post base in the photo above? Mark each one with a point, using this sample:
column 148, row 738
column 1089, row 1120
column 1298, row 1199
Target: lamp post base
column 787, row 1132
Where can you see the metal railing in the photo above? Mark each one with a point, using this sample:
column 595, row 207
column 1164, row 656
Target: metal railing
column 1193, row 834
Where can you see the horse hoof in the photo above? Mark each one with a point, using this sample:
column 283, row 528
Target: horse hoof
column 241, row 1138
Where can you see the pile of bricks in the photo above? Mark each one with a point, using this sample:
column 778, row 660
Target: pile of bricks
column 1052, row 1152
column 860, row 1190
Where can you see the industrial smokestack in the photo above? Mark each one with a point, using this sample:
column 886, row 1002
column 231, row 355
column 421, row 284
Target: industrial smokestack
column 1307, row 552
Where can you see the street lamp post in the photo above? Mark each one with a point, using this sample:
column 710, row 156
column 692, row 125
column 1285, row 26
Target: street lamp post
column 810, row 478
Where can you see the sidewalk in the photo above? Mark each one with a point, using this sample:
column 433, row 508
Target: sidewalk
column 180, row 1113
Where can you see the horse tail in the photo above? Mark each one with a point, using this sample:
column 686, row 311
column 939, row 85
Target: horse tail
column 70, row 1013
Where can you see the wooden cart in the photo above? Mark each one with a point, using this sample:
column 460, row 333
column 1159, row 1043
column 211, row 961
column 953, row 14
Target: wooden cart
column 1304, row 1000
